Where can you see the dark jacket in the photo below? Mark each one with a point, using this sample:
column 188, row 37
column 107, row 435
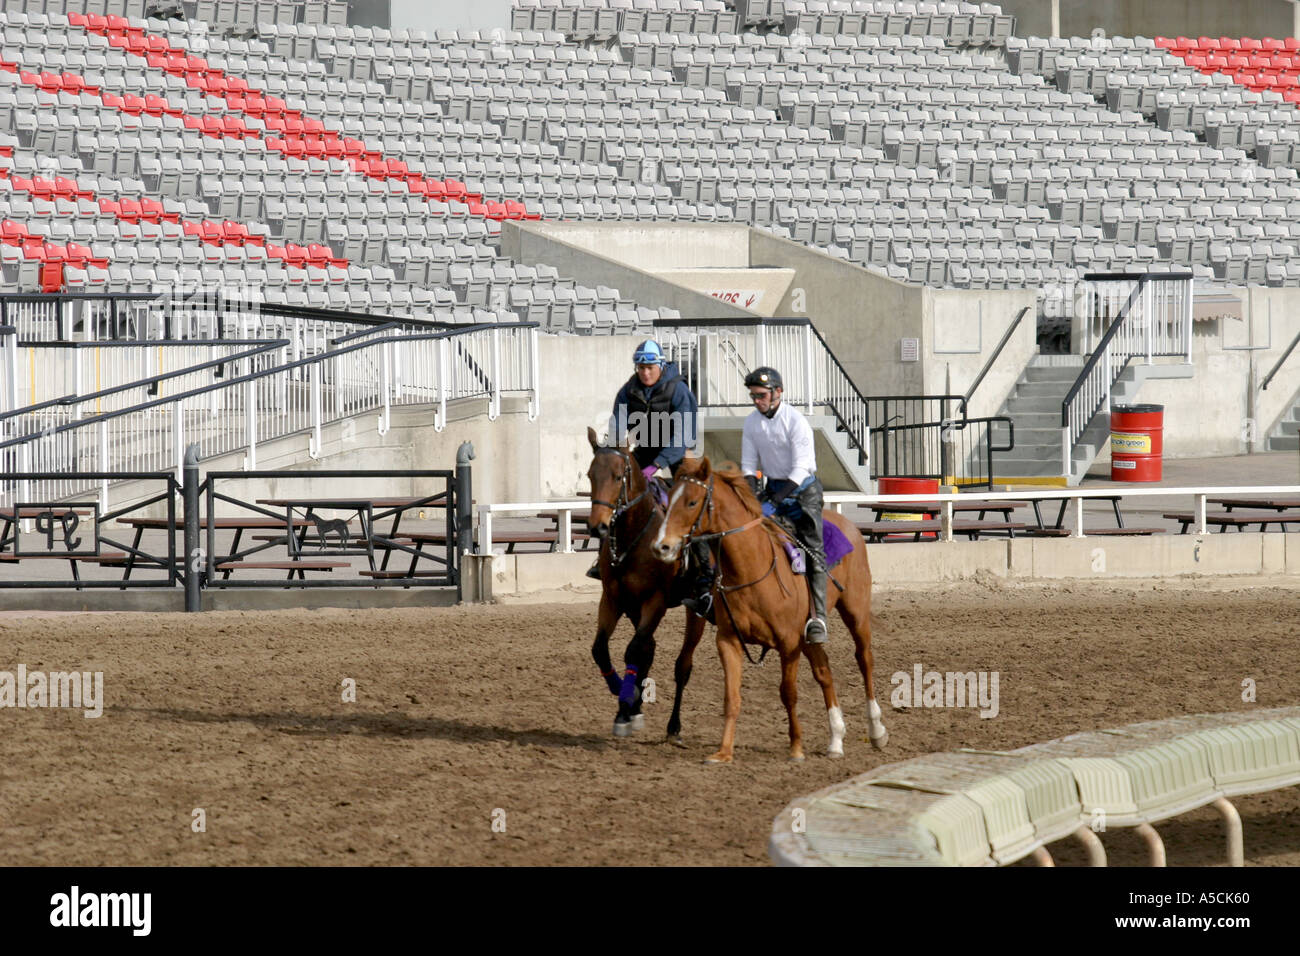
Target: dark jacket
column 662, row 421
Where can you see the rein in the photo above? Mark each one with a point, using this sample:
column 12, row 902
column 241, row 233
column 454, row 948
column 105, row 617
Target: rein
column 620, row 508
column 714, row 540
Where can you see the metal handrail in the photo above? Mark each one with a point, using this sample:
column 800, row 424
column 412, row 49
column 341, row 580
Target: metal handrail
column 1289, row 349
column 1098, row 353
column 265, row 373
column 1006, row 337
column 266, row 345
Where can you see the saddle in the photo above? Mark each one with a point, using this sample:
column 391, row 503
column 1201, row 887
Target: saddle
column 834, row 544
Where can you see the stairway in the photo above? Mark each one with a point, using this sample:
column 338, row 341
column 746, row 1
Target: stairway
column 1285, row 435
column 1035, row 408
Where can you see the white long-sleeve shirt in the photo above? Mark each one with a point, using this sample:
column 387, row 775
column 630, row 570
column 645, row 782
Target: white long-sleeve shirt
column 780, row 446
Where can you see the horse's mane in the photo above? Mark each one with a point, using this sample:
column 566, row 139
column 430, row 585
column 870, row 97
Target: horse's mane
column 732, row 475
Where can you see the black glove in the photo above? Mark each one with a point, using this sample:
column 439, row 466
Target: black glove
column 779, row 489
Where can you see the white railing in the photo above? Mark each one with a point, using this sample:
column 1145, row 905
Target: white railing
column 715, row 355
column 837, row 500
column 46, row 372
column 1127, row 316
column 267, row 404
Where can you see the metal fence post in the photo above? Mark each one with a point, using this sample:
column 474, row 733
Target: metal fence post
column 194, row 556
column 464, row 514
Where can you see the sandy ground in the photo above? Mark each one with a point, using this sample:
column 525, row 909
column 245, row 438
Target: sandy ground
column 471, row 716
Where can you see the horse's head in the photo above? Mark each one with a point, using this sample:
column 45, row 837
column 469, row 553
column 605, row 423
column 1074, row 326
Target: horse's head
column 615, row 481
column 690, row 508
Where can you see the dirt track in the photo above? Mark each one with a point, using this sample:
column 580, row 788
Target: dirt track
column 464, row 711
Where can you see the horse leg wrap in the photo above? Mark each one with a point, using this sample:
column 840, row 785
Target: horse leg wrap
column 612, row 681
column 627, row 693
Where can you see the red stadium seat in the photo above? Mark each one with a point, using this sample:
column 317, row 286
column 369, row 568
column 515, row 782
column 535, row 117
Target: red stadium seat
column 111, row 207
column 52, row 277
column 12, row 233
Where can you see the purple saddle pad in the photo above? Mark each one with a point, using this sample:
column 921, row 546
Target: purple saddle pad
column 835, row 543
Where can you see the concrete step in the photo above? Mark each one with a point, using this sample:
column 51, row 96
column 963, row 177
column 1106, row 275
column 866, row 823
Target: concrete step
column 1035, row 420
column 1051, row 373
column 1004, row 467
column 1032, row 406
column 1055, row 390
column 1284, row 443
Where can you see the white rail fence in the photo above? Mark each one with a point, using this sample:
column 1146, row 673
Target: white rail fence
column 837, row 501
column 267, row 404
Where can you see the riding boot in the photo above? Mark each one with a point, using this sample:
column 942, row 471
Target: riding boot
column 815, row 630
column 594, row 570
column 700, row 599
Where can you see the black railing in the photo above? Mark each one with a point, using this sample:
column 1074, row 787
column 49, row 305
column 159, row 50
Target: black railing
column 232, row 542
column 956, row 451
column 1006, row 337
column 1285, row 355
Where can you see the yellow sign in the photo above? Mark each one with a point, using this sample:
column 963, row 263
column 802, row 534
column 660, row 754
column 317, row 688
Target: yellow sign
column 1130, row 444
column 900, row 516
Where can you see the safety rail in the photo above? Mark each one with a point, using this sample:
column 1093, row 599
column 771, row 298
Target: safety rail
column 298, row 396
column 1144, row 315
column 957, row 451
column 61, row 373
column 173, row 313
column 997, row 351
column 716, row 354
column 1278, row 364
column 838, row 500
column 893, row 453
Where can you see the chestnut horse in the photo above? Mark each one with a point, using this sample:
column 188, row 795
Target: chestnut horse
column 761, row 601
column 626, row 516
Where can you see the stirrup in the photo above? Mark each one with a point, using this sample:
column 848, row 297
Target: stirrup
column 701, row 605
column 814, row 632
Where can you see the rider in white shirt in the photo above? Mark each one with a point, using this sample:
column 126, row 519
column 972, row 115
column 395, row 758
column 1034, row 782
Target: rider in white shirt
column 778, row 441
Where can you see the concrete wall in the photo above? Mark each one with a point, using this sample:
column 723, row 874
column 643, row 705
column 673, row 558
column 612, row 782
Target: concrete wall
column 1211, row 413
column 1020, row 560
column 653, row 246
column 535, row 242
column 862, row 315
column 960, row 331
column 1149, row 18
column 758, row 291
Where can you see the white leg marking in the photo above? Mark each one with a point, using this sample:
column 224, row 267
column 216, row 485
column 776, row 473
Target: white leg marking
column 879, row 736
column 836, row 718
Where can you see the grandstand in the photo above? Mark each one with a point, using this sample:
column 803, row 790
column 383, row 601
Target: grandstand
column 275, row 151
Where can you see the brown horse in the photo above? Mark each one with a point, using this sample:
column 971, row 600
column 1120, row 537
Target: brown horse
column 761, row 601
column 626, row 516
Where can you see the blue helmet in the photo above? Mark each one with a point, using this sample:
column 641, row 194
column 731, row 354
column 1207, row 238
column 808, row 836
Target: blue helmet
column 649, row 352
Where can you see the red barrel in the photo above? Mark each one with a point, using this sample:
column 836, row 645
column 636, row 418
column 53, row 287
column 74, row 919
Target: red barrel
column 921, row 487
column 1136, row 442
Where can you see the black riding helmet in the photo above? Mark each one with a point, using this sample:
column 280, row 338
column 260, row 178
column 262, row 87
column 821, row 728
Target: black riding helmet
column 763, row 377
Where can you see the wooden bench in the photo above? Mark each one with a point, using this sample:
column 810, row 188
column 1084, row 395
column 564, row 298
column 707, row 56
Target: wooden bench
column 1092, row 532
column 1224, row 521
column 291, row 566
column 876, row 531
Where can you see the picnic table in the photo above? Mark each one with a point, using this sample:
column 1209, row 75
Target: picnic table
column 1226, row 520
column 1276, row 504
column 881, row 531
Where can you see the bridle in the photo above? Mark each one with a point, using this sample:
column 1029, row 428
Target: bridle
column 621, row 507
column 714, row 540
